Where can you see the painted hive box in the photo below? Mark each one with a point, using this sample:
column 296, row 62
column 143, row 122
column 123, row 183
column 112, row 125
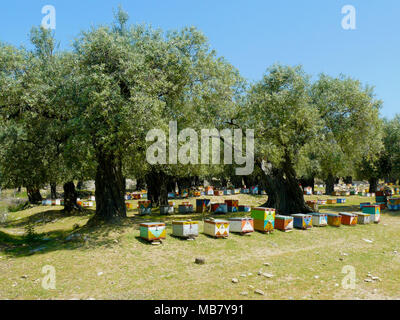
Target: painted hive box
column 236, row 191
column 319, row 219
column 185, row 208
column 321, row 201
column 129, row 205
column 394, row 204
column 302, row 221
column 171, row 195
column 209, row 191
column 331, row 201
column 87, row 204
column 185, row 193
column 363, row 218
column 264, row 219
column 363, row 204
column 244, row 208
column 166, row 209
column 219, row 208
column 371, row 209
column 216, row 228
column 344, row 193
column 349, row 219
column 382, row 205
column 254, row 190
column 233, row 205
column 185, row 229
column 341, row 200
column 227, row 192
column 202, row 205
column 152, row 231
column 334, row 220
column 144, row 207
column 284, row 223
column 197, row 193
column 218, row 193
column 245, row 191
column 241, row 225
column 313, row 204
column 308, row 191
column 136, row 196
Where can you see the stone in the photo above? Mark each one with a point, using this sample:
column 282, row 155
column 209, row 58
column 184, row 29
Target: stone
column 249, row 274
column 234, row 280
column 243, row 275
column 244, row 293
column 316, row 277
column 200, row 261
column 251, row 287
column 367, row 280
column 267, row 275
column 260, row 292
column 267, row 264
column 100, row 273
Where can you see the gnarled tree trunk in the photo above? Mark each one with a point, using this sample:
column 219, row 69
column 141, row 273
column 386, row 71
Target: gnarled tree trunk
column 284, row 192
column 70, row 198
column 34, row 195
column 373, row 185
column 110, row 190
column 53, row 190
column 330, row 184
column 157, row 187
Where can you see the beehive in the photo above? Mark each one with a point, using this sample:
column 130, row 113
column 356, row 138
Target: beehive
column 235, row 191
column 166, row 209
column 218, row 193
column 241, row 225
column 185, row 208
column 319, row 219
column 302, row 221
column 284, row 223
column 341, row 200
column 185, row 193
column 152, row 231
column 363, row 218
column 371, row 209
column 321, row 202
column 308, row 191
column 254, row 190
column 144, row 207
column 245, row 190
column 197, row 193
column 216, row 228
column 87, row 204
column 313, row 204
column 363, row 204
column 334, row 219
column 209, row 191
column 243, row 208
column 264, row 219
column 185, row 229
column 233, row 205
column 349, row 219
column 394, row 204
column 129, row 205
column 202, row 205
column 219, row 208
column 331, row 201
column 171, row 195
column 227, row 192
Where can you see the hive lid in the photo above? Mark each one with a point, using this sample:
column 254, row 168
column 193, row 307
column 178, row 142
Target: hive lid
column 185, row 222
column 283, row 217
column 149, row 224
column 347, row 214
column 239, row 218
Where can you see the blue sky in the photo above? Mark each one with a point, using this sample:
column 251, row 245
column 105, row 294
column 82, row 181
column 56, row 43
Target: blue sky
column 250, row 34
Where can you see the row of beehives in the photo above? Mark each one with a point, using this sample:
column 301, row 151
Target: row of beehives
column 202, row 205
column 262, row 219
column 210, row 191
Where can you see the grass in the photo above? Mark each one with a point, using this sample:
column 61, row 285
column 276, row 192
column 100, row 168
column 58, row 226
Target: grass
column 111, row 262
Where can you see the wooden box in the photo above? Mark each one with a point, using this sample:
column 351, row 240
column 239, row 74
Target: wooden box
column 185, row 208
column 244, row 209
column 341, row 200
column 185, row 229
column 319, row 219
column 245, row 191
column 394, row 204
column 371, row 209
column 264, row 219
column 87, row 204
column 283, row 223
column 302, row 221
column 218, row 193
column 152, row 231
column 254, row 190
column 227, row 192
column 331, row 201
column 321, row 202
column 349, row 219
column 136, row 196
column 171, row 195
column 166, row 209
column 233, row 205
column 313, row 204
column 216, row 228
column 197, row 193
column 241, row 225
column 185, row 193
column 202, row 205
column 219, row 208
column 334, row 219
column 363, row 218
column 308, row 191
column 144, row 207
column 235, row 191
column 363, row 204
column 209, row 191
column 129, row 205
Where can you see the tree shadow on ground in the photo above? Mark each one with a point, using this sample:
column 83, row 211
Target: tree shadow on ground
column 44, row 217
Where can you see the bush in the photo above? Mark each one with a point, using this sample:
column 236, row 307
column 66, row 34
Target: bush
column 16, row 205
